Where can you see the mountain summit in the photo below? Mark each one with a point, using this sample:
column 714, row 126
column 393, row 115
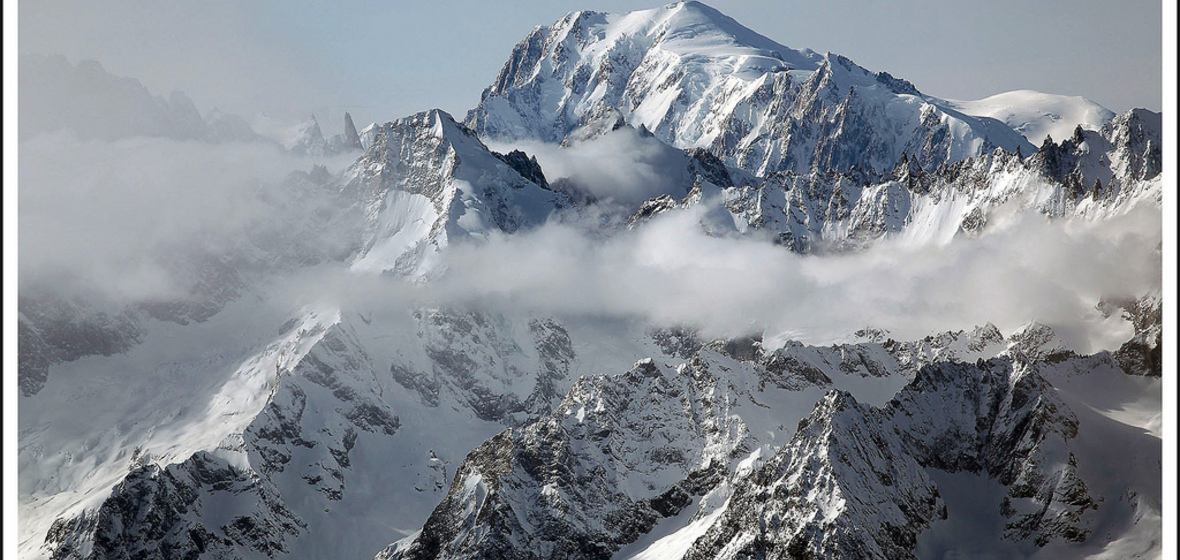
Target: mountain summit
column 698, row 79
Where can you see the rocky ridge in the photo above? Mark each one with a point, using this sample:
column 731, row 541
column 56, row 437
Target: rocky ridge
column 851, row 480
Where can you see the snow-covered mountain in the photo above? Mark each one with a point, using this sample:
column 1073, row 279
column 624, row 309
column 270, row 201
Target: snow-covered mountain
column 423, row 183
column 1037, row 115
column 1091, row 174
column 426, row 181
column 697, row 79
column 725, row 456
column 316, row 390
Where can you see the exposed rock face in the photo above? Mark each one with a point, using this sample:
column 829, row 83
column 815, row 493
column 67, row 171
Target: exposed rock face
column 525, row 165
column 1037, row 341
column 167, row 514
column 599, row 466
column 1135, row 138
column 1000, row 418
column 1100, row 164
column 1143, row 354
column 851, row 482
column 338, row 371
column 352, row 140
column 821, row 496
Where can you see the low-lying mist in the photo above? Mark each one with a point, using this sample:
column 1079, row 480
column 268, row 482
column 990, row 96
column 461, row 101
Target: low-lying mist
column 670, row 272
column 623, row 166
column 102, row 219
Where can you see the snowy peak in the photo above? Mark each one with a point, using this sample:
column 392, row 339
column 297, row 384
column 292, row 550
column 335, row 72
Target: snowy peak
column 613, row 60
column 697, row 79
column 426, row 180
column 693, row 29
column 1036, row 115
column 421, row 154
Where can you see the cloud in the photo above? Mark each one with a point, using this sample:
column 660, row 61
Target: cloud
column 102, row 217
column 622, row 166
column 105, row 218
column 670, row 272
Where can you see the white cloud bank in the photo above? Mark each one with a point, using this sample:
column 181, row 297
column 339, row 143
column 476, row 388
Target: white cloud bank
column 622, row 166
column 672, row 273
column 100, row 217
column 95, row 217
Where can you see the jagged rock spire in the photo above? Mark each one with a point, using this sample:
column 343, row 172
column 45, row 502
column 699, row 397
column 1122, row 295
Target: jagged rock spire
column 351, row 138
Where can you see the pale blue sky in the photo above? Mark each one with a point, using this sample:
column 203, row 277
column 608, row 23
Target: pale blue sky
column 383, row 60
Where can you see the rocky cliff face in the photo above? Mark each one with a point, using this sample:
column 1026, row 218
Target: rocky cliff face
column 840, row 452
column 622, row 454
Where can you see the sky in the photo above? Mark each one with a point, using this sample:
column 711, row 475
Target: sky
column 384, row 60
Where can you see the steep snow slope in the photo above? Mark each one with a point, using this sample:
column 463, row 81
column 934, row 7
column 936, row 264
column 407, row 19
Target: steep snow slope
column 697, row 79
column 1037, row 115
column 182, row 391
